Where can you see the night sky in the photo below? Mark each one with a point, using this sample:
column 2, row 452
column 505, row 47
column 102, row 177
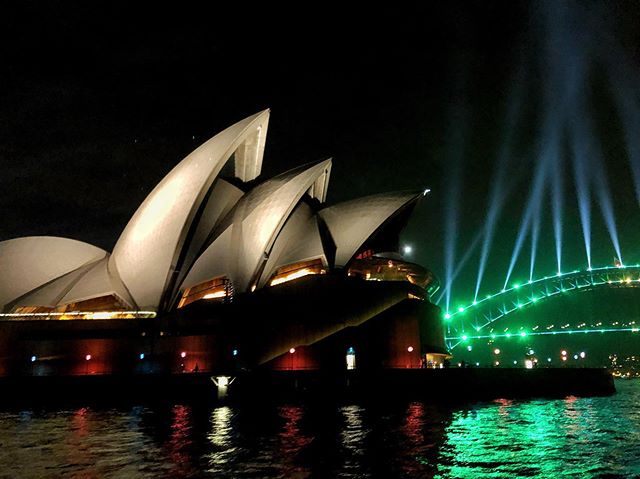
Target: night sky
column 98, row 101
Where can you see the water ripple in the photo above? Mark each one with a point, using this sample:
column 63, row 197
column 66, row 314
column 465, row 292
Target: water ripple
column 571, row 437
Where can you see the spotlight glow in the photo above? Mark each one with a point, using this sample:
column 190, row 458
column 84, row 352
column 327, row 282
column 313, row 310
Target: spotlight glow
column 498, row 190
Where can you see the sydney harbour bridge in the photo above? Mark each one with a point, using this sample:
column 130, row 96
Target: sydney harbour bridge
column 496, row 315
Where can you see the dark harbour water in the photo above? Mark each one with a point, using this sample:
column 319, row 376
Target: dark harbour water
column 546, row 438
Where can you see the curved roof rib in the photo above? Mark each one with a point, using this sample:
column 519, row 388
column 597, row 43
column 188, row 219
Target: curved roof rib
column 353, row 222
column 50, row 294
column 99, row 281
column 148, row 249
column 223, row 196
column 30, row 262
column 298, row 241
column 243, row 242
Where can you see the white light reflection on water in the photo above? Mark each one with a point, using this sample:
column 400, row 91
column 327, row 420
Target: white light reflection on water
column 221, row 438
column 353, row 441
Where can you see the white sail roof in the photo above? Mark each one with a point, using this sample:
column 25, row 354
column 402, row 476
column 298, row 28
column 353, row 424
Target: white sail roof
column 244, row 240
column 195, row 226
column 146, row 252
column 98, row 281
column 298, row 241
column 29, row 262
column 352, row 222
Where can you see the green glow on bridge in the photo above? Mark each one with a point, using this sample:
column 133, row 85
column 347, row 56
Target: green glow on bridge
column 543, row 333
column 591, row 272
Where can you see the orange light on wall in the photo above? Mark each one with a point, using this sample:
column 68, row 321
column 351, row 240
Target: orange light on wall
column 87, row 357
column 292, row 350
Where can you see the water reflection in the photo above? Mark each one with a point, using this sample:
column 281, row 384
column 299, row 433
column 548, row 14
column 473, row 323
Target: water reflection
column 292, row 440
column 419, row 441
column 180, row 442
column 541, row 438
column 353, row 436
column 221, row 438
column 571, row 437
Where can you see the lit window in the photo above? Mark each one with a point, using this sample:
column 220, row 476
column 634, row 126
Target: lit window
column 297, row 270
column 351, row 359
column 213, row 289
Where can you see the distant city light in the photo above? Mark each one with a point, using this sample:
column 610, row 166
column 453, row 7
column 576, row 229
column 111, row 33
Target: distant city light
column 33, row 359
column 460, row 309
column 583, row 354
column 447, row 316
column 141, row 355
column 234, row 352
column 548, row 360
column 563, row 352
column 410, row 349
column 531, row 351
column 407, row 249
column 528, row 364
column 496, row 351
column 575, row 356
column 464, row 337
column 469, row 348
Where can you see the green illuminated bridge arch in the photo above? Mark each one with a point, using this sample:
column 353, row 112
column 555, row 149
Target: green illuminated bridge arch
column 473, row 321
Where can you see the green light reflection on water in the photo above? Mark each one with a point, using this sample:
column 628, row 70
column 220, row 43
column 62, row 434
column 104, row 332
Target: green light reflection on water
column 569, row 437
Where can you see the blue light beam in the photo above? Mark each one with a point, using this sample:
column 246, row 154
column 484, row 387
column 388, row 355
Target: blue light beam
column 499, row 191
column 457, row 137
column 533, row 203
column 580, row 175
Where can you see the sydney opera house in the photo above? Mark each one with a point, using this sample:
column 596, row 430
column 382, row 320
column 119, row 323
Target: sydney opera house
column 219, row 270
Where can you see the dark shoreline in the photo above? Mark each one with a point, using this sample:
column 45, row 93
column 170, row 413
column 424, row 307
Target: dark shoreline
column 447, row 385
